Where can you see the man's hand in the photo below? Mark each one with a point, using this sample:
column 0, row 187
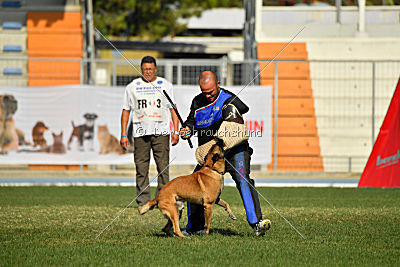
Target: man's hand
column 185, row 132
column 174, row 139
column 124, row 142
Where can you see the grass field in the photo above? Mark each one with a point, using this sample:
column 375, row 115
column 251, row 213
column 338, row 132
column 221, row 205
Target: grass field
column 57, row 226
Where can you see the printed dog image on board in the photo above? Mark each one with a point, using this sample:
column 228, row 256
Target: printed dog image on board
column 202, row 187
column 108, row 143
column 38, row 134
column 21, row 138
column 57, row 147
column 8, row 134
column 84, row 132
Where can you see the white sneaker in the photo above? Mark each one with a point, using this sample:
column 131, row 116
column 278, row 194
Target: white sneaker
column 261, row 227
column 199, row 232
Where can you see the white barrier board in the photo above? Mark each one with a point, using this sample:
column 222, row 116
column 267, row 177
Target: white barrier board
column 58, row 106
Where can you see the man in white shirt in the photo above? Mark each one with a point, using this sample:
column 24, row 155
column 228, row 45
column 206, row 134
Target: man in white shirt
column 151, row 126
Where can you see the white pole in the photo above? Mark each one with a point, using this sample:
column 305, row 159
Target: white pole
column 91, row 42
column 361, row 16
column 258, row 22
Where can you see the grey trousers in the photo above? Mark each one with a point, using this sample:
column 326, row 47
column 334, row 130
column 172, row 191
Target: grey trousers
column 159, row 144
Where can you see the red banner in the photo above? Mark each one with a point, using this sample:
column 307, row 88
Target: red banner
column 383, row 166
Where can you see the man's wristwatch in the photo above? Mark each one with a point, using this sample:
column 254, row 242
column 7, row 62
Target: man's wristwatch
column 176, row 132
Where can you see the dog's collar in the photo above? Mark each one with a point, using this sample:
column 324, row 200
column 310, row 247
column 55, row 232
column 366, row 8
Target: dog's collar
column 214, row 170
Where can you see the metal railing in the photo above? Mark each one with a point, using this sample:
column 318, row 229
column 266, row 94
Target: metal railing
column 349, row 98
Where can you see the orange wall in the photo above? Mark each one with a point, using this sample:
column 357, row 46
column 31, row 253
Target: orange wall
column 54, row 35
column 298, row 141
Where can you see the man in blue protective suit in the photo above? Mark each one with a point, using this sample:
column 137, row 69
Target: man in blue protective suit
column 216, row 112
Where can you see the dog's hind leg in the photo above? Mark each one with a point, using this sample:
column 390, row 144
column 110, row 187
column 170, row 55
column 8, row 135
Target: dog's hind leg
column 227, row 207
column 207, row 214
column 174, row 218
column 175, row 221
column 170, row 209
column 72, row 135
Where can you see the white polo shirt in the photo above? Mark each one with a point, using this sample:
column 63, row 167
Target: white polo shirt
column 149, row 107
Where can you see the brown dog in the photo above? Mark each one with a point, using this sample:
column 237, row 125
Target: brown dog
column 8, row 133
column 37, row 134
column 57, row 147
column 202, row 187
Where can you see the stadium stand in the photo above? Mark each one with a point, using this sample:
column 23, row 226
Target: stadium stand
column 13, row 67
column 347, row 80
column 54, row 35
column 325, row 104
column 298, row 141
column 35, row 30
column 11, row 4
column 343, row 95
column 12, row 71
column 12, row 48
column 11, row 25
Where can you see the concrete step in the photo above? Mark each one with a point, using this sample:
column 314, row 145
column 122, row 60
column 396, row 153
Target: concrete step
column 14, row 81
column 345, row 122
column 344, row 107
column 355, row 48
column 345, row 146
column 344, row 164
column 15, row 38
column 325, row 88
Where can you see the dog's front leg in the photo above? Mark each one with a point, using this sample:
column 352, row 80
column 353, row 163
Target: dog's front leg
column 91, row 145
column 207, row 214
column 81, row 137
column 227, row 207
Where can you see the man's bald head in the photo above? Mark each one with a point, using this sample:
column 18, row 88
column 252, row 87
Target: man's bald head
column 209, row 85
column 207, row 76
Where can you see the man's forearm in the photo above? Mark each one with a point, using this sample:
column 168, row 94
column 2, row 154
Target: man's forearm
column 175, row 119
column 124, row 121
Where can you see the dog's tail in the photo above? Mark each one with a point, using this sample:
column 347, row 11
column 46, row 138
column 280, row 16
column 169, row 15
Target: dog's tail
column 148, row 206
column 73, row 124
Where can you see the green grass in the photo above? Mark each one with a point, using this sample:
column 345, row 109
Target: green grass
column 57, row 226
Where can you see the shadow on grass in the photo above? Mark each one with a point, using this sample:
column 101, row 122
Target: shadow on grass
column 224, row 232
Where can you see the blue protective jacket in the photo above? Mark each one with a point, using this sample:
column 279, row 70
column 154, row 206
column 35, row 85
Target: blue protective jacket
column 205, row 118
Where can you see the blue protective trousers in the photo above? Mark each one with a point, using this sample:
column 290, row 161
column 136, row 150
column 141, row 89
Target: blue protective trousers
column 239, row 168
